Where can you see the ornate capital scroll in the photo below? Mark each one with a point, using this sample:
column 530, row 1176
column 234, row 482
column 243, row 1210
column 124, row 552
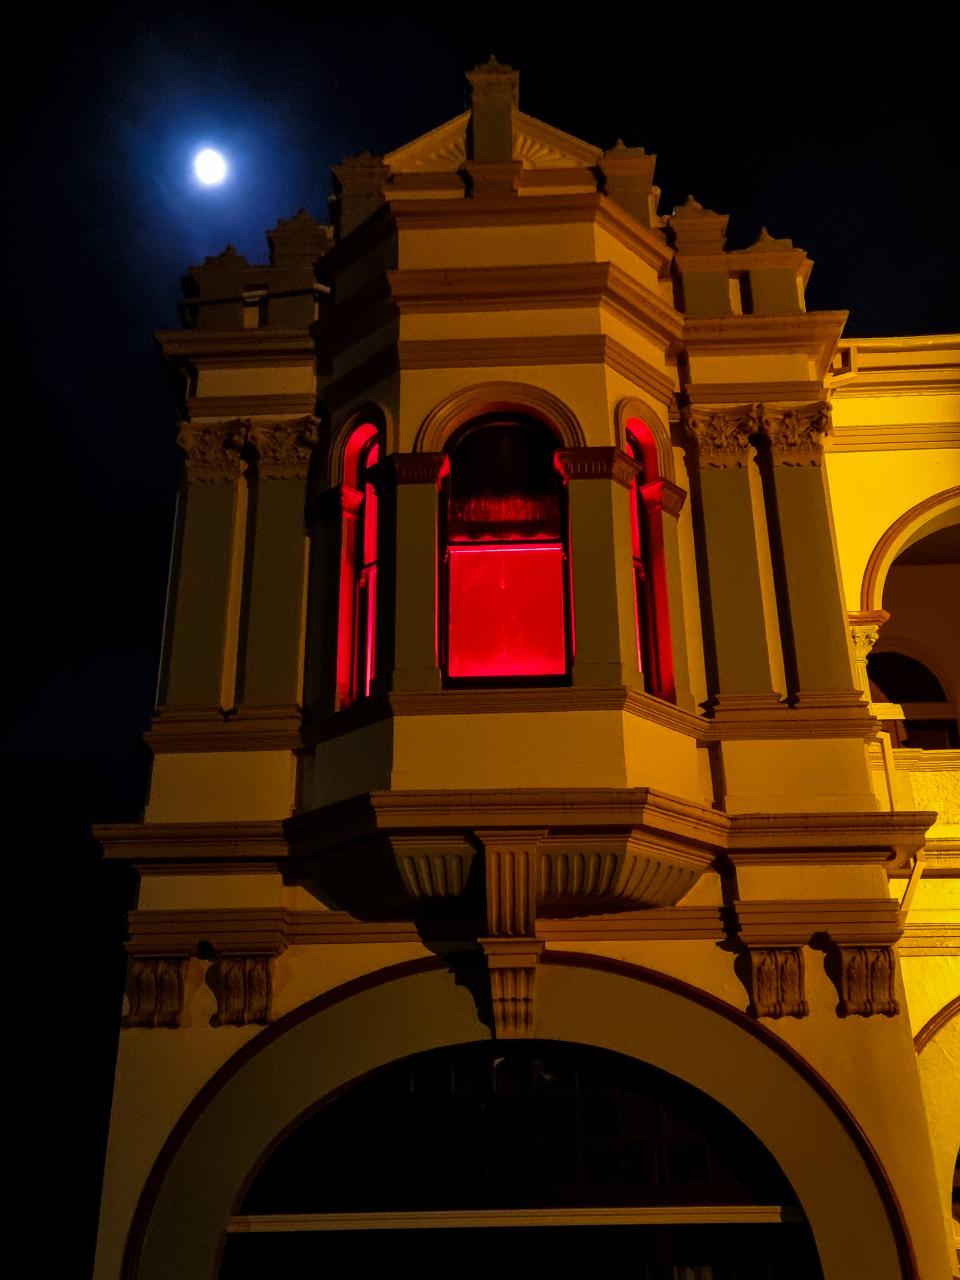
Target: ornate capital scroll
column 796, row 433
column 867, row 981
column 776, row 982
column 864, row 630
column 155, row 990
column 214, row 450
column 722, row 436
column 244, row 989
column 599, row 462
column 284, row 446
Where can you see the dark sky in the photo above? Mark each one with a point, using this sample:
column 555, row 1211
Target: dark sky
column 847, row 147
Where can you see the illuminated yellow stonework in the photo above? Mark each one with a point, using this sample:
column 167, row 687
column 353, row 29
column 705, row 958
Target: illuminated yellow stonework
column 756, row 869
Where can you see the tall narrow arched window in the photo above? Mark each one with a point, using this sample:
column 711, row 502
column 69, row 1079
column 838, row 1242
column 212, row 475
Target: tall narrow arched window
column 357, row 628
column 649, row 568
column 506, row 610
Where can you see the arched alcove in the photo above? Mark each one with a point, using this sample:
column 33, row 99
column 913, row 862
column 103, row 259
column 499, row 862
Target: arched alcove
column 200, row 1176
column 452, row 413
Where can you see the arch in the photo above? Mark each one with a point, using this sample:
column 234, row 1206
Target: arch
column 631, row 407
column 373, row 413
column 497, row 397
column 612, row 1005
column 939, row 1020
column 932, row 513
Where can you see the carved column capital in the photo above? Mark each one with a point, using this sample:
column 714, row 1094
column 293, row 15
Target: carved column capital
column 418, row 468
column 244, row 989
column 777, row 982
column 722, row 435
column 598, row 462
column 864, row 631
column 214, row 450
column 155, row 990
column 284, row 446
column 867, row 981
column 796, row 433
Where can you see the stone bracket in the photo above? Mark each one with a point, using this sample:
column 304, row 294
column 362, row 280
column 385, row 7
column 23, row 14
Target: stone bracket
column 777, row 982
column 244, row 989
column 867, row 980
column 155, row 990
column 512, row 969
column 511, row 949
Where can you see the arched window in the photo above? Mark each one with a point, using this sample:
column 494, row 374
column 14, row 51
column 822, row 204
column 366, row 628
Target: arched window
column 357, row 628
column 506, row 613
column 460, row 1157
column 930, row 721
column 649, row 570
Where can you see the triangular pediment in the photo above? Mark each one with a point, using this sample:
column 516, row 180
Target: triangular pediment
column 535, row 144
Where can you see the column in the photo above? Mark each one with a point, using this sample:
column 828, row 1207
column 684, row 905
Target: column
column 271, row 676
column 810, row 574
column 203, row 608
column 737, row 610
column 664, row 502
column 416, row 666
column 601, row 558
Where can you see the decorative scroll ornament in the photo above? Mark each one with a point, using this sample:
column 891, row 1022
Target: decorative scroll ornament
column 155, row 990
column 722, row 436
column 867, row 981
column 244, row 989
column 213, row 450
column 796, row 434
column 776, row 982
column 284, row 447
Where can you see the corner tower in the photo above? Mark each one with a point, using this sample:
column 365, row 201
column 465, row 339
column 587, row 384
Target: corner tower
column 506, row 643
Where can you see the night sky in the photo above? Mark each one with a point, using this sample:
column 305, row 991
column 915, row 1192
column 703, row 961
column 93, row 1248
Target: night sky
column 848, row 148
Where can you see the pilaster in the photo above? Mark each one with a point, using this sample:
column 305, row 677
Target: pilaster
column 415, row 660
column 602, row 567
column 744, row 659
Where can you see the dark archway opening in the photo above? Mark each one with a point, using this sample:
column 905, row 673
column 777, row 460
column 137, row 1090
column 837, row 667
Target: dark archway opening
column 554, row 1154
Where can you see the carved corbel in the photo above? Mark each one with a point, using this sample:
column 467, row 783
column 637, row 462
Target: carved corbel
column 214, row 450
column 722, row 436
column 284, row 446
column 797, row 433
column 867, row 981
column 777, row 982
column 512, row 874
column 244, row 989
column 155, row 990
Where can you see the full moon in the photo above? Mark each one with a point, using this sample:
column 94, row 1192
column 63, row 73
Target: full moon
column 209, row 166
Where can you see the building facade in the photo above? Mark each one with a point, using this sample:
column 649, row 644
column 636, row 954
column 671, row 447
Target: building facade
column 553, row 837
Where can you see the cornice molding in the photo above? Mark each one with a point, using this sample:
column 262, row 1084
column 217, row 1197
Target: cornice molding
column 179, row 729
column 815, row 333
column 249, row 407
column 873, row 438
column 186, row 842
column 243, row 347
column 599, row 462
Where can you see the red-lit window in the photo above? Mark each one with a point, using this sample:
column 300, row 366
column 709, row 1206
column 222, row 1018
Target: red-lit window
column 649, row 569
column 357, row 630
column 506, row 598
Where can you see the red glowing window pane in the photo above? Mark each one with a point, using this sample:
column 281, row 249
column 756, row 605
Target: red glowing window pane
column 506, row 611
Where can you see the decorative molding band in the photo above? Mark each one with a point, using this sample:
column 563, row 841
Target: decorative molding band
column 599, row 462
column 716, row 394
column 867, row 981
column 187, row 842
column 283, row 447
column 795, row 922
column 930, row 939
column 935, row 1024
column 238, row 347
column 181, row 729
column 155, row 990
column 214, row 450
column 280, row 405
column 777, row 982
column 244, row 989
column 238, row 931
column 549, row 286
column 869, row 438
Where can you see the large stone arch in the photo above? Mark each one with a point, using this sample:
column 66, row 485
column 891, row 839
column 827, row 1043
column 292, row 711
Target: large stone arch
column 343, row 1035
column 934, row 512
column 497, row 397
